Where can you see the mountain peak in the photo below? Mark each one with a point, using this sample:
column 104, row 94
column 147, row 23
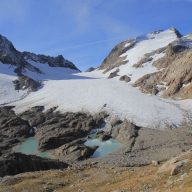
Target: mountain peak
column 9, row 55
column 5, row 46
column 176, row 31
column 171, row 30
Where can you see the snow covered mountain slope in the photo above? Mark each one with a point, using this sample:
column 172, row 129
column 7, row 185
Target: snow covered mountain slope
column 158, row 63
column 22, row 72
column 93, row 91
column 135, row 50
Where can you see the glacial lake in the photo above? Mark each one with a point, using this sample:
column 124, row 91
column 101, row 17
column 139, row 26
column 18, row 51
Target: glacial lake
column 30, row 147
column 105, row 147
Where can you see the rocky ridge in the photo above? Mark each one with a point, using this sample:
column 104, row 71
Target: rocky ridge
column 173, row 75
column 21, row 61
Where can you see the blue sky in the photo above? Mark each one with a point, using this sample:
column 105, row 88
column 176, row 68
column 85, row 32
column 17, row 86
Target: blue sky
column 84, row 31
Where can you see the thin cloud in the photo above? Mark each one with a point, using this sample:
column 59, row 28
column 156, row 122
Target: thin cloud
column 84, row 14
column 88, row 44
column 13, row 11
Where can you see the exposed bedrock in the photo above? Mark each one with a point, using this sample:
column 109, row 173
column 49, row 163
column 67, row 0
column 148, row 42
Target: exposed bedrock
column 114, row 60
column 64, row 128
column 23, row 82
column 74, row 151
column 65, row 133
column 175, row 76
column 13, row 129
column 15, row 163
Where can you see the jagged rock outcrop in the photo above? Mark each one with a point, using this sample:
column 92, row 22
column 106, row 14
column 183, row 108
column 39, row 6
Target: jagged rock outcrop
column 113, row 74
column 67, row 127
column 15, row 163
column 22, row 62
column 64, row 133
column 57, row 61
column 175, row 75
column 116, row 57
column 113, row 59
column 9, row 55
column 74, row 151
column 23, row 82
column 126, row 132
column 13, row 129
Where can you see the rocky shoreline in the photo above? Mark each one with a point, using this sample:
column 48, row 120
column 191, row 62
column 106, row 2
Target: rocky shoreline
column 64, row 135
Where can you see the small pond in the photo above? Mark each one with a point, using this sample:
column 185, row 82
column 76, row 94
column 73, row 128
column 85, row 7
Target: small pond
column 105, row 147
column 30, row 147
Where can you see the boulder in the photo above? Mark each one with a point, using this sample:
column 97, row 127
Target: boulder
column 113, row 74
column 75, row 151
column 125, row 78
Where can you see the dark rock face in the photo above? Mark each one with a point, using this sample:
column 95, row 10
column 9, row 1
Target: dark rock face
column 24, row 82
column 9, row 55
column 35, row 116
column 126, row 132
column 113, row 59
column 103, row 136
column 18, row 163
column 65, row 133
column 75, row 151
column 64, row 128
column 58, row 61
column 54, row 129
column 113, row 74
column 13, row 129
column 21, row 62
column 143, row 61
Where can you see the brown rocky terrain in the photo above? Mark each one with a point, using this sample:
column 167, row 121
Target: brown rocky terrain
column 113, row 59
column 175, row 75
column 64, row 135
column 142, row 145
column 174, row 175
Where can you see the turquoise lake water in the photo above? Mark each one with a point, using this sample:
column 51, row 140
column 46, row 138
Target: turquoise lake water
column 30, row 147
column 105, row 147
